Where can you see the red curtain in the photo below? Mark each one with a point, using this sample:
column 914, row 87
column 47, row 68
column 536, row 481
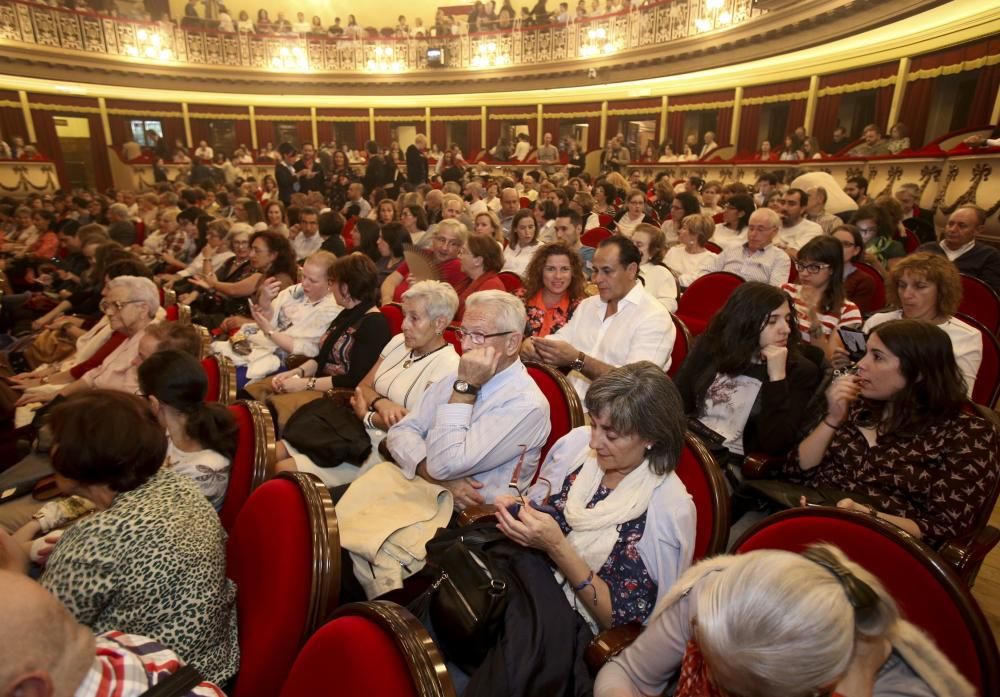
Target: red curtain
column 796, row 115
column 324, row 129
column 724, row 125
column 99, row 153
column 265, row 133
column 200, row 131
column 173, row 128
column 48, row 142
column 304, row 129
column 12, row 123
column 475, row 137
column 749, row 127
column 675, row 130
column 917, row 106
column 827, row 108
column 439, row 134
column 361, row 135
column 883, row 103
column 383, row 133
column 242, row 127
column 987, row 86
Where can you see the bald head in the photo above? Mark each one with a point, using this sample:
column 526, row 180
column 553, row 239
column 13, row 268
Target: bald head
column 43, row 649
column 510, row 202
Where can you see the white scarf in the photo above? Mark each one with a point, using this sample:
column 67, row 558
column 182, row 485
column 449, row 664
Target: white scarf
column 594, row 531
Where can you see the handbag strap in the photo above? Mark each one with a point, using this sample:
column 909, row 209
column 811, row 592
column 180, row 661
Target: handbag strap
column 176, row 684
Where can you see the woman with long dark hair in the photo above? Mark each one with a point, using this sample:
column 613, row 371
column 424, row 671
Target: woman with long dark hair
column 747, row 377
column 553, row 287
column 391, row 239
column 858, row 287
column 364, row 238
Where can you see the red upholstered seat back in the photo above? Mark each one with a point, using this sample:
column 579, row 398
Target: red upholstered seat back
column 511, row 281
column 524, row 202
column 595, row 235
column 269, row 556
column 703, row 298
column 241, row 471
column 703, row 480
column 451, row 336
column 928, row 593
column 605, row 219
column 356, row 656
column 987, row 387
column 172, row 313
column 980, row 301
column 394, row 315
column 682, row 345
column 910, row 240
column 878, row 300
column 211, row 369
column 565, row 410
column 713, row 247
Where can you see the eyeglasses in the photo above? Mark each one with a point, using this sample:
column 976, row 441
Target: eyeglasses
column 118, row 305
column 477, row 338
column 444, row 241
column 811, row 267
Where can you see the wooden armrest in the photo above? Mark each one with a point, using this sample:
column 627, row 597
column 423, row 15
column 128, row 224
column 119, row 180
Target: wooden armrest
column 760, row 466
column 475, row 514
column 609, row 643
column 967, row 558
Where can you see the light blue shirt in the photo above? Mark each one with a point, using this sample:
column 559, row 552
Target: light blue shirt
column 767, row 265
column 482, row 440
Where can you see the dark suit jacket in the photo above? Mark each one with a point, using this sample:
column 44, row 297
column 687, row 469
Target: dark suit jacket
column 317, row 183
column 982, row 262
column 286, row 183
column 416, row 166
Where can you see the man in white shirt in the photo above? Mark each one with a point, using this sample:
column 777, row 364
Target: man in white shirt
column 796, row 230
column 709, row 146
column 355, row 197
column 622, row 324
column 474, row 195
column 308, row 241
column 757, row 259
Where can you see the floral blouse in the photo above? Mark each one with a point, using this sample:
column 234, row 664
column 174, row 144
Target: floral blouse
column 939, row 478
column 537, row 314
column 633, row 591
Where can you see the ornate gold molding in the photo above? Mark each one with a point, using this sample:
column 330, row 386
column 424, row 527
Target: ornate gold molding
column 858, row 86
column 774, row 98
column 954, row 68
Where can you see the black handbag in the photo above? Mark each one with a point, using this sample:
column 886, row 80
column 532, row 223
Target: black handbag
column 467, row 599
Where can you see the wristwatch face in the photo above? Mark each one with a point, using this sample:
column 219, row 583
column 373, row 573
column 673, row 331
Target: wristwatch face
column 463, row 387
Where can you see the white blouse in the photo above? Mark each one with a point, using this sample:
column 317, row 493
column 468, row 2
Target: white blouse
column 725, row 237
column 516, row 259
column 660, row 284
column 686, row 266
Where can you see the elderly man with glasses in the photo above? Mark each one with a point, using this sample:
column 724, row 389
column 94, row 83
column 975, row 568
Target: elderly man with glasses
column 757, row 259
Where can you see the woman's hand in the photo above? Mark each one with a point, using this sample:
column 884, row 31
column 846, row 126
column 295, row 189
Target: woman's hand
column 201, row 282
column 263, row 322
column 464, row 492
column 278, row 381
column 268, row 291
column 839, row 395
column 390, row 412
column 776, row 358
column 359, row 404
column 30, row 397
column 852, row 505
column 531, row 528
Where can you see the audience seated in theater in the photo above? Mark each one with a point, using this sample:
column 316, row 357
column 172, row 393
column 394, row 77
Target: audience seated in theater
column 959, row 245
column 44, row 650
column 749, row 378
column 284, row 322
column 209, row 259
column 306, row 239
column 482, row 261
column 209, row 308
column 553, row 287
column 151, row 560
column 523, row 242
column 569, row 227
column 684, row 204
column 896, row 440
column 349, row 347
column 859, row 287
column 487, row 224
column 873, row 146
column 655, row 276
column 819, row 299
column 736, row 212
column 634, row 214
column 772, row 622
column 816, row 210
column 271, row 256
column 899, row 139
column 857, row 190
column 364, row 238
column 796, row 230
column 757, row 259
column 689, row 259
column 622, row 324
column 201, row 436
column 414, row 221
column 927, row 287
column 392, row 239
column 446, row 244
column 410, row 363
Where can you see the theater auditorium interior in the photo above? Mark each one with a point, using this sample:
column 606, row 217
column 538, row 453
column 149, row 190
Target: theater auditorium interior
column 442, row 348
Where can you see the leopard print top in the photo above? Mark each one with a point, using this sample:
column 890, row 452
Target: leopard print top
column 153, row 563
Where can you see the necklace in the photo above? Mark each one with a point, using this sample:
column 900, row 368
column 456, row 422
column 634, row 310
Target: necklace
column 411, row 360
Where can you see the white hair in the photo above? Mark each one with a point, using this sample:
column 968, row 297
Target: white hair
column 138, row 288
column 440, row 298
column 507, row 310
column 771, row 217
column 455, row 226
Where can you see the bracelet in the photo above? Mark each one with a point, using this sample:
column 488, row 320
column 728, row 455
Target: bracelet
column 371, row 404
column 588, row 582
column 830, row 425
column 871, row 511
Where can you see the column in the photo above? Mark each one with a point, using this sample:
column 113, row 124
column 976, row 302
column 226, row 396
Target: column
column 811, row 101
column 253, row 128
column 315, row 126
column 898, row 91
column 29, row 124
column 187, row 125
column 105, row 123
column 604, row 126
column 371, row 123
column 734, row 130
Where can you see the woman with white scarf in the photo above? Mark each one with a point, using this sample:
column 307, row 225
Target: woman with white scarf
column 622, row 526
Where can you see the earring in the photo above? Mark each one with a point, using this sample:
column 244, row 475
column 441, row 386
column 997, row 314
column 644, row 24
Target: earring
column 649, row 447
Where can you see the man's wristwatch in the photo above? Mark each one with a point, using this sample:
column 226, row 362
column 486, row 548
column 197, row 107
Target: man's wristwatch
column 578, row 363
column 462, row 387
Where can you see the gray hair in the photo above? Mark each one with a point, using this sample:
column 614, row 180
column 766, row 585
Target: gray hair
column 138, row 288
column 440, row 299
column 639, row 398
column 912, row 187
column 506, row 309
column 237, row 229
column 772, row 217
column 777, row 623
column 455, row 226
column 118, row 210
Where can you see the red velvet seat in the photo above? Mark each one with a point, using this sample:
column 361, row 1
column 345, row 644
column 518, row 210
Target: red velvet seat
column 910, row 240
column 283, row 554
column 703, row 298
column 511, row 281
column 878, row 300
column 682, row 345
column 594, row 236
column 451, row 336
column 172, row 313
column 986, row 391
column 713, row 247
column 253, row 462
column 394, row 316
column 375, row 649
column 605, row 219
column 524, row 202
column 565, row 407
column 705, row 482
column 980, row 301
column 928, row 592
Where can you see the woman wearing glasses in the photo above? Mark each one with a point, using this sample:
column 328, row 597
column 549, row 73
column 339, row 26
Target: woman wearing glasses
column 772, row 622
column 447, row 243
column 621, row 527
column 820, row 305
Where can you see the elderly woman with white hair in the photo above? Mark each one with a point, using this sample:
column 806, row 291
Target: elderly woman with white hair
column 447, row 242
column 130, row 304
column 407, row 365
column 772, row 622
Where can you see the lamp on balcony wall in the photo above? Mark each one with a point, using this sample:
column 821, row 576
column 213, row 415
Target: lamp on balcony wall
column 385, row 61
column 149, row 44
column 290, row 58
column 716, row 15
column 597, row 43
column 488, row 55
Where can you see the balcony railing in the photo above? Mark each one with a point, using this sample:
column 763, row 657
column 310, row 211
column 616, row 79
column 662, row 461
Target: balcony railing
column 167, row 44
